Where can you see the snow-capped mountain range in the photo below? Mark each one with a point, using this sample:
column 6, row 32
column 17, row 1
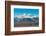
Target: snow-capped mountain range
column 25, row 16
column 25, row 20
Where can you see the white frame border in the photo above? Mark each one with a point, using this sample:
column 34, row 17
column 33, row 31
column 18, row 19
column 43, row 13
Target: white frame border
column 25, row 28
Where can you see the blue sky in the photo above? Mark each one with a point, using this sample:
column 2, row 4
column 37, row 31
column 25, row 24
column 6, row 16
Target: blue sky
column 20, row 11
